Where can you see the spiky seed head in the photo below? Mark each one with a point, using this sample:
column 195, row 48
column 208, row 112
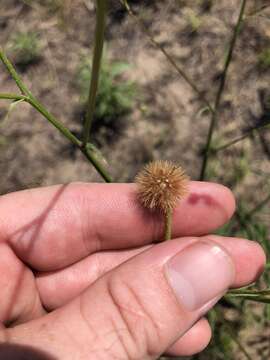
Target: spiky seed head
column 161, row 184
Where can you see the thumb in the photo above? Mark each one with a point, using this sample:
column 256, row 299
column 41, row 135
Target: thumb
column 139, row 309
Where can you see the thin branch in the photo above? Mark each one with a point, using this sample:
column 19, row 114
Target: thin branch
column 29, row 98
column 52, row 119
column 243, row 220
column 214, row 117
column 248, row 291
column 179, row 70
column 258, row 207
column 72, row 138
column 262, row 296
column 265, row 299
column 14, row 74
column 240, row 223
column 240, row 138
column 14, row 97
column 96, row 65
column 91, row 156
column 257, row 11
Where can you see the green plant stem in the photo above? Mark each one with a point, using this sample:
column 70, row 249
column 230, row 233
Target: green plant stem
column 72, row 138
column 257, row 11
column 250, row 295
column 247, row 292
column 41, row 109
column 258, row 299
column 239, row 138
column 90, row 155
column 14, row 74
column 259, row 207
column 51, row 118
column 179, row 70
column 168, row 225
column 244, row 220
column 214, row 117
column 96, row 65
column 29, row 98
column 14, row 97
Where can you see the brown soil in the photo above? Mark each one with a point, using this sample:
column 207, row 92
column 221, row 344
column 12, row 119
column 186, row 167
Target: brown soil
column 167, row 120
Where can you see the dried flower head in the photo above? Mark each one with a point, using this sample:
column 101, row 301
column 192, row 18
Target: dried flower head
column 161, row 184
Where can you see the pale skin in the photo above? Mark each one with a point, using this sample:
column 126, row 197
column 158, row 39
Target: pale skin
column 82, row 272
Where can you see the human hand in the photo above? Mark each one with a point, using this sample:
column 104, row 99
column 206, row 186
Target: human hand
column 83, row 277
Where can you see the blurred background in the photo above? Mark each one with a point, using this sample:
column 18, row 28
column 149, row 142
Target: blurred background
column 147, row 110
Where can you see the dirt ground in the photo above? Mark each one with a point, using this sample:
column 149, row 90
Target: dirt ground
column 168, row 120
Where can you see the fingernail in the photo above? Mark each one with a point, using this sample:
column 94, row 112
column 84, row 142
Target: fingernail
column 200, row 273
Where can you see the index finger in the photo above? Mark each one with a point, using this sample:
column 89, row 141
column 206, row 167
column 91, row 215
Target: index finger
column 50, row 228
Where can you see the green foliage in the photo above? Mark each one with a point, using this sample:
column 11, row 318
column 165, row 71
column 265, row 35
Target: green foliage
column 25, row 47
column 115, row 95
column 264, row 58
